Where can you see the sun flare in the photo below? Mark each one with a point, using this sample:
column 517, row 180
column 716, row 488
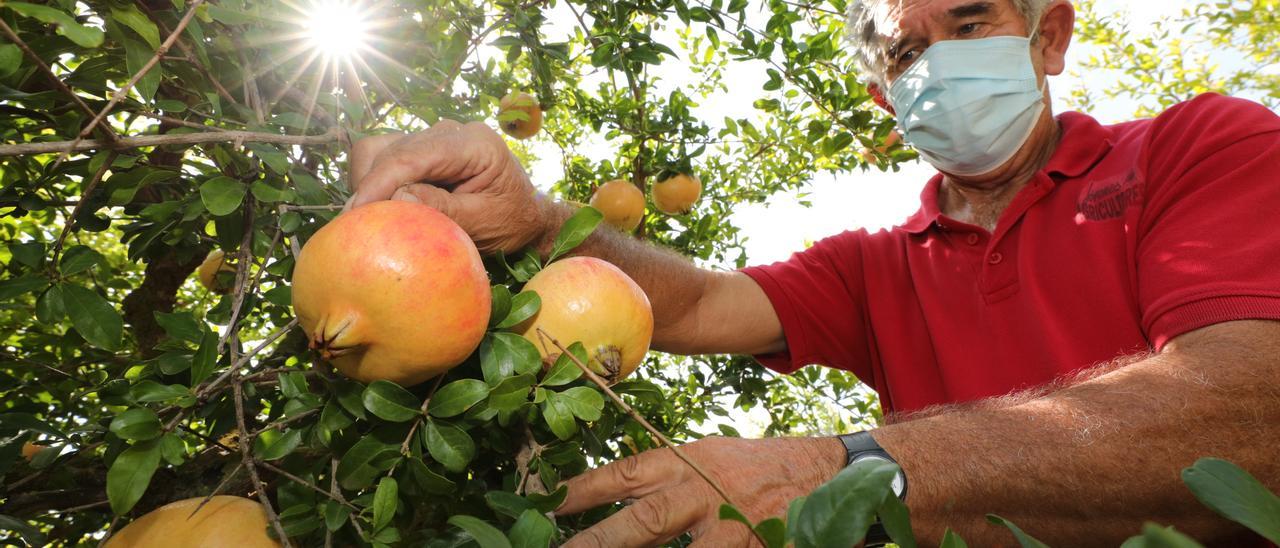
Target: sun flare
column 337, row 28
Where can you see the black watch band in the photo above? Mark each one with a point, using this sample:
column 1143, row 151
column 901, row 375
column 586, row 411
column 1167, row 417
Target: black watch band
column 861, row 445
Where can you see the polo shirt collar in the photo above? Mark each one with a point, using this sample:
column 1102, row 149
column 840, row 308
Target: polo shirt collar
column 1083, row 143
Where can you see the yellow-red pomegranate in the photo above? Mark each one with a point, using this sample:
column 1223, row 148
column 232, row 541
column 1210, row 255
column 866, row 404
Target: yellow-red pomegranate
column 520, row 128
column 223, row 521
column 621, row 203
column 208, row 272
column 676, row 196
column 392, row 291
column 588, row 300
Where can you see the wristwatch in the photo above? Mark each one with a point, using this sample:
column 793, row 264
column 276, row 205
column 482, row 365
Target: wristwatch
column 862, row 447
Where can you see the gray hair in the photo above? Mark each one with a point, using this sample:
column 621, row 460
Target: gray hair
column 868, row 44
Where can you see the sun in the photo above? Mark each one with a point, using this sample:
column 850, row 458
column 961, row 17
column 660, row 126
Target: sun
column 337, row 28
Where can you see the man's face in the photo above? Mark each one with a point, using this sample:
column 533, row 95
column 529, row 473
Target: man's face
column 911, row 26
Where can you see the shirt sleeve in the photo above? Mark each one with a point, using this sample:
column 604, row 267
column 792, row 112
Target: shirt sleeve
column 818, row 295
column 1208, row 247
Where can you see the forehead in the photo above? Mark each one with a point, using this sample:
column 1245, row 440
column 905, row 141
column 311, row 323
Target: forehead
column 896, row 18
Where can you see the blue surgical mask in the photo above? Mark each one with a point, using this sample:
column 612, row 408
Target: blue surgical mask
column 967, row 106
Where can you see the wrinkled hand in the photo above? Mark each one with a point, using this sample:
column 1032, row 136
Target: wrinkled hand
column 464, row 170
column 762, row 476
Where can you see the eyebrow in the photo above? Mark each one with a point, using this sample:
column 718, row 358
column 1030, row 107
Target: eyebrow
column 959, row 12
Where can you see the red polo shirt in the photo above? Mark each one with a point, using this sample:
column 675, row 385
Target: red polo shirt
column 1132, row 235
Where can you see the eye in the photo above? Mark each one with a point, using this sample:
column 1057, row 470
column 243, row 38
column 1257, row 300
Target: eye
column 906, row 58
column 967, row 29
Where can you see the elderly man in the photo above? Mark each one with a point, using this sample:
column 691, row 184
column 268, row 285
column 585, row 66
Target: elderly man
column 1044, row 247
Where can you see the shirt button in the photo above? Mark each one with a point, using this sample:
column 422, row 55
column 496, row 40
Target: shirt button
column 995, row 258
column 973, row 239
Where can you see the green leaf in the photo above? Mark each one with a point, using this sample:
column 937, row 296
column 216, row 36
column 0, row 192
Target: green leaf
column 365, row 461
column 350, row 396
column 85, row 37
column 299, row 519
column 270, row 194
column 27, row 421
column 388, row 401
column 31, row 535
column 222, row 195
column 11, row 289
column 584, row 402
column 335, row 515
column 511, row 393
column 550, row 501
column 732, row 513
column 523, row 307
column 531, row 530
column 173, row 449
column 130, row 474
column 897, row 522
column 559, row 417
column 773, row 531
column 1155, row 536
column 273, row 445
column 135, row 20
column 505, row 354
column 951, row 540
column 484, row 534
column 136, row 57
column 1024, row 540
column 205, row 359
column 10, row 59
column 294, row 384
column 136, row 424
column 93, row 317
column 49, row 307
column 458, row 396
column 499, row 304
column 449, row 445
column 427, row 480
column 575, row 231
column 385, row 502
column 78, row 259
column 507, row 503
column 564, row 371
column 149, row 391
column 182, row 326
column 1235, row 494
column 838, row 513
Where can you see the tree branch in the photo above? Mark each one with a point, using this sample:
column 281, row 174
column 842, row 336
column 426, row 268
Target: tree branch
column 333, row 136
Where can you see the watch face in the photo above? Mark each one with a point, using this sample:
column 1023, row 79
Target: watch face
column 899, row 481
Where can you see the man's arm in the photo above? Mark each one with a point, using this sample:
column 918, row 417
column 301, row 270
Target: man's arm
column 1088, row 464
column 467, row 172
column 1081, row 466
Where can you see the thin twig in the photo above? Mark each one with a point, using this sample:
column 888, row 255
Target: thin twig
column 244, row 263
column 57, row 82
column 222, row 484
column 84, row 195
column 301, row 481
column 281, row 424
column 81, row 508
column 141, row 141
column 246, row 357
column 645, row 423
column 246, row 457
column 123, row 92
column 426, row 404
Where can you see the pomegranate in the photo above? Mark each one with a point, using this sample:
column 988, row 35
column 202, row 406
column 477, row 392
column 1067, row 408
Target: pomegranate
column 676, row 196
column 520, row 128
column 208, row 272
column 621, row 203
column 392, row 291
column 588, row 300
column 223, row 521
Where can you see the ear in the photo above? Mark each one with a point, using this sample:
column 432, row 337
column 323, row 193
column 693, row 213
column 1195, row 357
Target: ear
column 1056, row 27
column 877, row 95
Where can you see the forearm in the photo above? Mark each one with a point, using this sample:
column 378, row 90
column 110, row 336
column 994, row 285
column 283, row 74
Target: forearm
column 1089, row 464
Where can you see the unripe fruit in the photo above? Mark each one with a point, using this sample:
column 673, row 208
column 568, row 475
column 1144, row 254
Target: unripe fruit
column 30, row 450
column 621, row 203
column 392, row 291
column 676, row 196
column 223, row 521
column 588, row 300
column 520, row 127
column 208, row 272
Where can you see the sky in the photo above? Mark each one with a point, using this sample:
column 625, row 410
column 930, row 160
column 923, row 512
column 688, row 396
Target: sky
column 872, row 200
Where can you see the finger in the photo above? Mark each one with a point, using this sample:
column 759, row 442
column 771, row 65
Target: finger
column 651, row 521
column 438, row 198
column 428, row 156
column 363, row 154
column 633, row 477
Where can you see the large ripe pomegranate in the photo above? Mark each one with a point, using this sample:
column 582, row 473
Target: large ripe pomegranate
column 588, row 300
column 223, row 521
column 392, row 291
